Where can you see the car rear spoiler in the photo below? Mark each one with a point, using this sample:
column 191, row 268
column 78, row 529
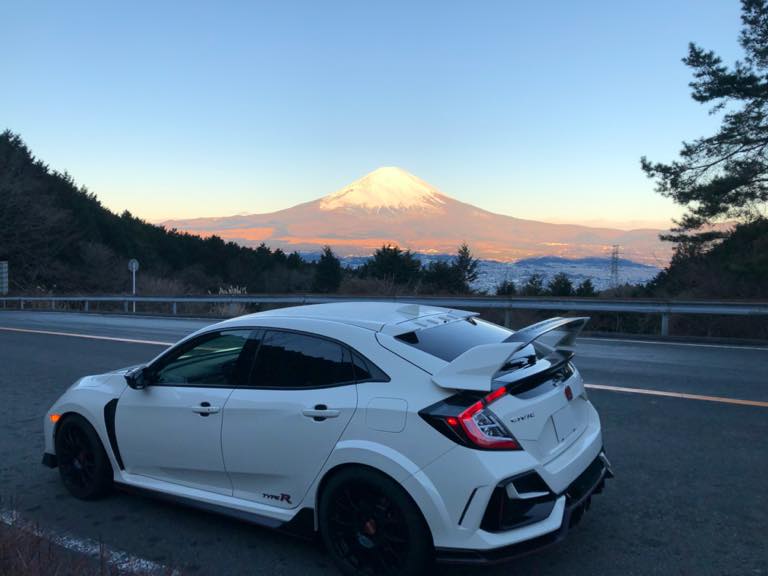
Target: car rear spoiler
column 476, row 368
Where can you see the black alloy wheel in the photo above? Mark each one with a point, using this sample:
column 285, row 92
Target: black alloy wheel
column 371, row 526
column 83, row 465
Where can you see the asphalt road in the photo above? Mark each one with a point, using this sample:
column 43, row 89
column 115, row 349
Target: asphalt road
column 689, row 497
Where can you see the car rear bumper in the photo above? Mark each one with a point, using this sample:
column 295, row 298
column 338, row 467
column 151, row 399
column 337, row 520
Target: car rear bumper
column 578, row 497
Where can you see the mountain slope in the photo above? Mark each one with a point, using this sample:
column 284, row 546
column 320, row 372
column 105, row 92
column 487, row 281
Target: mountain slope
column 390, row 205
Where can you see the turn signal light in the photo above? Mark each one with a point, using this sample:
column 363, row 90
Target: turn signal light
column 54, row 418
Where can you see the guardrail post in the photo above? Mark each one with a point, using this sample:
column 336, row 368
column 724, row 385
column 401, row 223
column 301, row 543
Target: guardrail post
column 21, row 304
column 125, row 306
column 506, row 317
column 173, row 308
column 53, row 304
column 665, row 324
column 86, row 306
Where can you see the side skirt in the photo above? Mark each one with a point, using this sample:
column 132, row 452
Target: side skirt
column 301, row 525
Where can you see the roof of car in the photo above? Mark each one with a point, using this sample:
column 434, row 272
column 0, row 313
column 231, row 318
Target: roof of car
column 371, row 314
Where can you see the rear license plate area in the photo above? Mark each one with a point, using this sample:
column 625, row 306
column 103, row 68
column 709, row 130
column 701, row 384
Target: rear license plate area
column 565, row 422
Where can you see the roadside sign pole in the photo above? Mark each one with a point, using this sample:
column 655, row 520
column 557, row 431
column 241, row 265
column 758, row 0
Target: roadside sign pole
column 133, row 266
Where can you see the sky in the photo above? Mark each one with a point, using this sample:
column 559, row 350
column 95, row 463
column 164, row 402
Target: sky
column 537, row 110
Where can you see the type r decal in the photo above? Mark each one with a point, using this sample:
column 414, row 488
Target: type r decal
column 279, row 497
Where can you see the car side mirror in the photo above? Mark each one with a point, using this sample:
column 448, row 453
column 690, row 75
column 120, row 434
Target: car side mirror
column 137, row 378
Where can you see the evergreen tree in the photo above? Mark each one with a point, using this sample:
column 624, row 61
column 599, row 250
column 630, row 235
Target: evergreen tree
column 444, row 277
column 534, row 285
column 294, row 261
column 466, row 265
column 724, row 175
column 506, row 288
column 737, row 267
column 586, row 288
column 327, row 273
column 560, row 285
column 391, row 264
column 279, row 257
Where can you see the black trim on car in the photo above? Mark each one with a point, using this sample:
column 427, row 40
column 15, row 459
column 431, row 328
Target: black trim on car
column 528, row 482
column 578, row 498
column 110, row 409
column 50, row 460
column 377, row 374
column 466, row 506
column 535, row 503
column 504, row 513
column 561, row 369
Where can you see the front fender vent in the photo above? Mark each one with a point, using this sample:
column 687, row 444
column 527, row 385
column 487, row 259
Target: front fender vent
column 109, row 422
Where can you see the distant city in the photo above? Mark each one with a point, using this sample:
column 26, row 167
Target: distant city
column 491, row 273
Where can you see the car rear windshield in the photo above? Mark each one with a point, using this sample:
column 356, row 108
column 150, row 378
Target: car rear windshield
column 448, row 341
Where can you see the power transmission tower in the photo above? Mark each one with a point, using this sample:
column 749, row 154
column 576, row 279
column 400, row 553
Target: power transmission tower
column 615, row 266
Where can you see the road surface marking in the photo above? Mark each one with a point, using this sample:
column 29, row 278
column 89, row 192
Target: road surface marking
column 88, row 336
column 122, row 561
column 683, row 395
column 670, row 343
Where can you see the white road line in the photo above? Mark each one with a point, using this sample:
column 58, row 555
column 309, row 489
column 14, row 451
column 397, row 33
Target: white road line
column 671, row 343
column 88, row 336
column 683, row 395
column 122, row 561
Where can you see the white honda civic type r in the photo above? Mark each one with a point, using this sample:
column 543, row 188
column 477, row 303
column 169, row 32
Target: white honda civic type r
column 400, row 433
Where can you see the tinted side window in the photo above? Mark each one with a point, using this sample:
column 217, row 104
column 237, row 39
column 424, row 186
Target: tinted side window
column 366, row 371
column 213, row 359
column 448, row 341
column 289, row 360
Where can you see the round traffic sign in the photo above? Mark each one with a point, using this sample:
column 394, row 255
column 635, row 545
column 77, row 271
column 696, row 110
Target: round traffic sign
column 133, row 265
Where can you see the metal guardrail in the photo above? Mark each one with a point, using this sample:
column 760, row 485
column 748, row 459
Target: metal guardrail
column 662, row 307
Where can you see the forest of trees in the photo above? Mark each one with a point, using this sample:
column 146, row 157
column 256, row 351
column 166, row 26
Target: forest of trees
column 58, row 237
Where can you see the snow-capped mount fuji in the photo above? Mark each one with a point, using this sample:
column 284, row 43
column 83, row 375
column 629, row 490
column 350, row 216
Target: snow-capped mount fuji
column 390, row 205
column 388, row 188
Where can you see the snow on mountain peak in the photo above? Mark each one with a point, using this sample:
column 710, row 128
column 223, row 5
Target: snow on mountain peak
column 386, row 188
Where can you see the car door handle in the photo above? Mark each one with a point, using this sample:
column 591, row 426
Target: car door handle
column 205, row 408
column 321, row 412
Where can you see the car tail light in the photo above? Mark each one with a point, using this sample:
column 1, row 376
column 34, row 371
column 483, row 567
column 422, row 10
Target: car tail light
column 474, row 426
